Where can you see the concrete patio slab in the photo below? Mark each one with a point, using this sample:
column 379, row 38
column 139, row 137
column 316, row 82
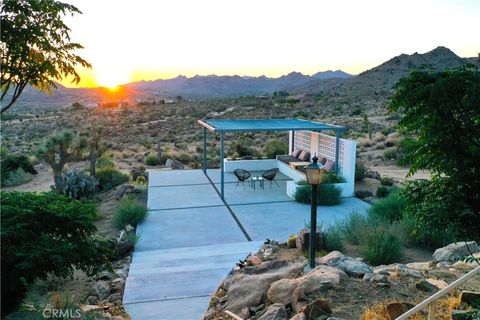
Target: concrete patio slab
column 280, row 220
column 159, row 178
column 188, row 227
column 175, row 197
column 178, row 309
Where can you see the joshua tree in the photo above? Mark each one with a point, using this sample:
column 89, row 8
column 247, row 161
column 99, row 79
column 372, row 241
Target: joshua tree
column 96, row 146
column 367, row 124
column 57, row 150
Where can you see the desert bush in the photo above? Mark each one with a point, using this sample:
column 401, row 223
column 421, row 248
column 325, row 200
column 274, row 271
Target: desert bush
column 276, row 147
column 79, row 185
column 390, row 208
column 360, row 170
column 390, row 154
column 386, row 181
column 46, row 233
column 184, row 158
column 380, row 246
column 129, row 212
column 382, row 192
column 353, row 227
column 15, row 170
column 328, row 194
column 105, row 162
column 152, row 160
column 333, row 239
column 109, row 178
column 332, row 177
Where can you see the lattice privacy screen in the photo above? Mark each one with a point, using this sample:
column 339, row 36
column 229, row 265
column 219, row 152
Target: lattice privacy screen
column 325, row 146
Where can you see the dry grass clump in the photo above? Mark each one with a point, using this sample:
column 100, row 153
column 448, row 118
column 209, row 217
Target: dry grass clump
column 390, row 310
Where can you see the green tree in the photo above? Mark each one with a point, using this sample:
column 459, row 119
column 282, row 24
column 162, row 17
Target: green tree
column 35, row 47
column 59, row 149
column 43, row 233
column 441, row 113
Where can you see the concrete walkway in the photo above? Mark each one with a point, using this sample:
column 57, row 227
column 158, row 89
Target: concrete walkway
column 189, row 243
column 191, row 239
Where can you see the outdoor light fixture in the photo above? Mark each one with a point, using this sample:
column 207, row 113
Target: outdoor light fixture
column 314, row 178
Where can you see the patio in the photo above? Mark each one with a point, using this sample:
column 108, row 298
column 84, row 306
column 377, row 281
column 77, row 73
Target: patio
column 192, row 238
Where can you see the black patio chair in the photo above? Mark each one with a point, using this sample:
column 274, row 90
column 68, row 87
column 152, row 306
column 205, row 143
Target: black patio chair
column 270, row 176
column 242, row 176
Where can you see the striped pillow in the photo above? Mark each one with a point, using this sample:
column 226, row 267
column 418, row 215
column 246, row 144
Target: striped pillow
column 329, row 165
column 304, row 156
column 296, row 153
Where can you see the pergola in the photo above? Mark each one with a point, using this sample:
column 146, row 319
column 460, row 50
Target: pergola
column 254, row 125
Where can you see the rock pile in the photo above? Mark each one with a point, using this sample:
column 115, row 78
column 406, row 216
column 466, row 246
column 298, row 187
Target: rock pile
column 267, row 286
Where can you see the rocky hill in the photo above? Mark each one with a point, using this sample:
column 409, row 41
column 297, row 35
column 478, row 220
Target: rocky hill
column 376, row 83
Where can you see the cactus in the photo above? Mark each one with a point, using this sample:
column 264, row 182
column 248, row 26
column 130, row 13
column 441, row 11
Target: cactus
column 79, row 185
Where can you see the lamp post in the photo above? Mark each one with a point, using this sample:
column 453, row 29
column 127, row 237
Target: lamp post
column 314, row 178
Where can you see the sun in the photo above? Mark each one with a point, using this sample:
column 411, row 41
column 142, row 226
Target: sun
column 111, row 78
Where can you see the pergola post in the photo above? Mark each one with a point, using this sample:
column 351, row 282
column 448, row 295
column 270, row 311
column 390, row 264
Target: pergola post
column 205, row 150
column 291, row 141
column 222, row 188
column 337, row 147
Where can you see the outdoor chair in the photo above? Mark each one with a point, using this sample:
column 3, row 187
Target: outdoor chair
column 270, row 176
column 242, row 176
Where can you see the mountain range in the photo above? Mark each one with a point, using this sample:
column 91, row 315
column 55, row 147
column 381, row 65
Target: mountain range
column 376, row 81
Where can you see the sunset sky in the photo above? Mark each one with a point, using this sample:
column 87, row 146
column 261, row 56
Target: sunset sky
column 128, row 41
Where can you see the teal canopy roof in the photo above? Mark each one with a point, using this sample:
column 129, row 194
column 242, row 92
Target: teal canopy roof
column 226, row 125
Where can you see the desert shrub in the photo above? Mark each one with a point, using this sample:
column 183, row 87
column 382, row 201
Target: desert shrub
column 16, row 178
column 109, row 178
column 390, row 208
column 353, row 227
column 332, row 177
column 152, row 160
column 105, row 162
column 333, row 239
column 381, row 247
column 386, row 181
column 46, row 233
column 10, row 173
column 276, row 147
column 360, row 170
column 129, row 212
column 382, row 192
column 79, row 185
column 390, row 154
column 328, row 194
column 184, row 158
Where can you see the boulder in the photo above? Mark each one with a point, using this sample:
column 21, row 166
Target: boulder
column 275, row 312
column 396, row 309
column 440, row 284
column 412, row 273
column 299, row 316
column 303, row 240
column 281, row 291
column 316, row 309
column 100, row 289
column 420, row 265
column 254, row 260
column 353, row 267
column 118, row 285
column 455, row 251
column 249, row 290
column 426, row 286
column 470, row 297
column 390, row 269
column 322, row 277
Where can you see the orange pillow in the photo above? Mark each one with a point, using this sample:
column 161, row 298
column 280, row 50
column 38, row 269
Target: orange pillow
column 329, row 165
column 296, row 153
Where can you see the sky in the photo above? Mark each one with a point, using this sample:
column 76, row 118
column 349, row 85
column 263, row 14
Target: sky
column 128, row 41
